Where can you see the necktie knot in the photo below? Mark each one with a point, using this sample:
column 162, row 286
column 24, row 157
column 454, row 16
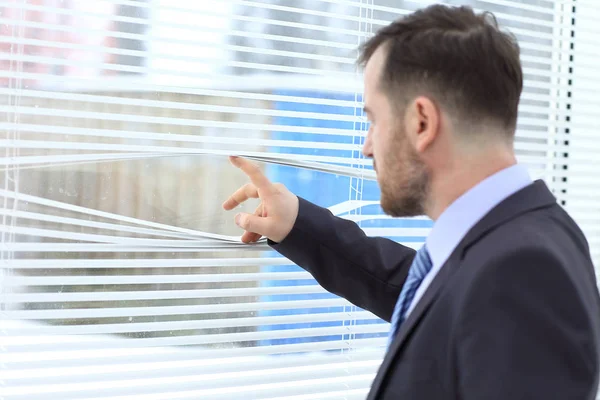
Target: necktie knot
column 419, row 268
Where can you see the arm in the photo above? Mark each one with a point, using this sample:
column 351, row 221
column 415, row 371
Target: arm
column 524, row 333
column 368, row 272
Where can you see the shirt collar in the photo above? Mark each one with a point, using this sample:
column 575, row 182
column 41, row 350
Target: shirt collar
column 456, row 221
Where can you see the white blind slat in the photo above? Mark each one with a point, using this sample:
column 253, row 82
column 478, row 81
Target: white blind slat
column 173, row 310
column 23, row 357
column 186, row 325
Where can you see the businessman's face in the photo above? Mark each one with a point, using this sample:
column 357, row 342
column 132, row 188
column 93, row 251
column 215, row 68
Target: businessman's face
column 402, row 176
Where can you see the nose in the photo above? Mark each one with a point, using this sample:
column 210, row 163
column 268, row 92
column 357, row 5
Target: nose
column 367, row 149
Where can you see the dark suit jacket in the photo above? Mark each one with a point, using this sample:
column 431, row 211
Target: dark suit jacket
column 513, row 314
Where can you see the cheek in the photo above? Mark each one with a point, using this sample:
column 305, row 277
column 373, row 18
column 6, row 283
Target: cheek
column 381, row 144
column 376, row 136
column 379, row 153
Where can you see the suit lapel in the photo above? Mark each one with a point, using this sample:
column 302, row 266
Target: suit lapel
column 532, row 197
column 411, row 322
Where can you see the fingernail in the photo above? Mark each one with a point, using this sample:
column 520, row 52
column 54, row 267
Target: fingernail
column 238, row 217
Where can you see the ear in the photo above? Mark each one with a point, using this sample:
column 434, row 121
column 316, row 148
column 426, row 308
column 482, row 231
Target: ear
column 423, row 119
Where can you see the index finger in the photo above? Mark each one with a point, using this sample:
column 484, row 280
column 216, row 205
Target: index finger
column 254, row 173
column 248, row 191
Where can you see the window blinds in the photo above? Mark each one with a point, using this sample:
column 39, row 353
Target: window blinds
column 121, row 276
column 579, row 133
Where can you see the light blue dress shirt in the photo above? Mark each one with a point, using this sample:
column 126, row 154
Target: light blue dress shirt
column 456, row 221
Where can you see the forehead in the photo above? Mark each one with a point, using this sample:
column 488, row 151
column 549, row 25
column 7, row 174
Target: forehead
column 374, row 70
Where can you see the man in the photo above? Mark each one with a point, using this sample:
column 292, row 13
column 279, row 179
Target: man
column 501, row 302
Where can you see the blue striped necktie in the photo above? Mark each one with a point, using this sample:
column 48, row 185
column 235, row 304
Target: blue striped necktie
column 419, row 268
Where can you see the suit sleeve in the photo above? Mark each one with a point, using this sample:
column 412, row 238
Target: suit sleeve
column 368, row 272
column 524, row 333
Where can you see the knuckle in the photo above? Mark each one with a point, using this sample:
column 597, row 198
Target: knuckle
column 249, row 190
column 237, row 197
column 245, row 222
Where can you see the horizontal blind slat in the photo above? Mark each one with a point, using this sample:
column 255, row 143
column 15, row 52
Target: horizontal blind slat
column 214, row 364
column 158, row 294
column 131, row 353
column 314, row 383
column 173, row 310
column 81, row 342
column 52, row 330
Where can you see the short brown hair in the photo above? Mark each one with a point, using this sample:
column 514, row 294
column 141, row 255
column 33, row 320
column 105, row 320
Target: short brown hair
column 459, row 58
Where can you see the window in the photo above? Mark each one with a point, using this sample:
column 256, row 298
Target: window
column 578, row 132
column 119, row 278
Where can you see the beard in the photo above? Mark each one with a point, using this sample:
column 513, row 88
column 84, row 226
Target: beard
column 405, row 182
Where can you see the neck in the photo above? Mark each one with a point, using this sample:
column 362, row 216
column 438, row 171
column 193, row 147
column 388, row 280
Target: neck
column 450, row 183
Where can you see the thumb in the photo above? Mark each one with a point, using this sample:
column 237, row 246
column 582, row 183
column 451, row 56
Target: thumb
column 253, row 223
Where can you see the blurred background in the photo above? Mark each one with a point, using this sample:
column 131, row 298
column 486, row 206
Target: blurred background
column 119, row 115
